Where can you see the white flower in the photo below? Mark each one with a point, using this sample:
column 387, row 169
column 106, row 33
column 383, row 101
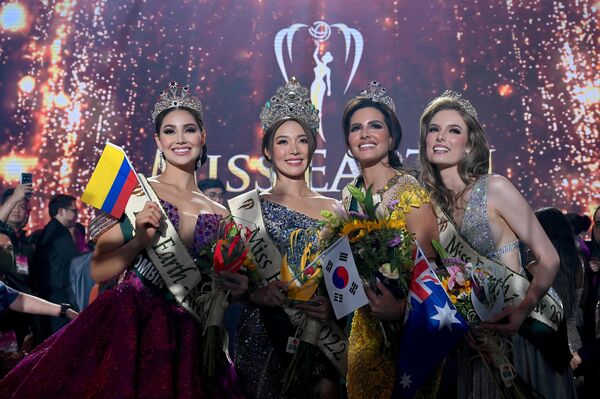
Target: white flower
column 386, row 270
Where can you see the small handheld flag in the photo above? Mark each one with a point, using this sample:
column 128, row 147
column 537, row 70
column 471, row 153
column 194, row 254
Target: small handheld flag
column 342, row 279
column 112, row 182
column 432, row 328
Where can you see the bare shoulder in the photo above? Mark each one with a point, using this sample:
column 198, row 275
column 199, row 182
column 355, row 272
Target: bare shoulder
column 501, row 188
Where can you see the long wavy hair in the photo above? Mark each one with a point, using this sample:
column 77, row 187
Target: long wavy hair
column 473, row 165
column 391, row 120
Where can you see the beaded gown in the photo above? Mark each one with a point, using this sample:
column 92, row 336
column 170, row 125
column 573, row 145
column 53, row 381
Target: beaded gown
column 133, row 341
column 473, row 379
column 370, row 373
column 261, row 359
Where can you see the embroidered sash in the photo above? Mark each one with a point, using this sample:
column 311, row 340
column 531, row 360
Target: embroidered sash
column 548, row 311
column 331, row 340
column 167, row 255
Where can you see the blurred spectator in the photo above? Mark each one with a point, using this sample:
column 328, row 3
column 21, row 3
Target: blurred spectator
column 16, row 261
column 559, row 231
column 20, row 302
column 581, row 224
column 590, row 332
column 80, row 275
column 14, row 215
column 214, row 189
column 52, row 262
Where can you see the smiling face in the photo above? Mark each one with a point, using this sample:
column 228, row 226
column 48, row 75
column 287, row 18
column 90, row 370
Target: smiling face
column 290, row 150
column 447, row 139
column 180, row 138
column 369, row 137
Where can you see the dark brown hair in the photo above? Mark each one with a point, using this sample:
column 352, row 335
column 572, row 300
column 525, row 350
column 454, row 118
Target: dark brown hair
column 159, row 120
column 391, row 120
column 269, row 136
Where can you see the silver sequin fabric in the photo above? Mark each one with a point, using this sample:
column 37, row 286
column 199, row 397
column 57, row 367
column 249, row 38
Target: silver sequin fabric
column 262, row 333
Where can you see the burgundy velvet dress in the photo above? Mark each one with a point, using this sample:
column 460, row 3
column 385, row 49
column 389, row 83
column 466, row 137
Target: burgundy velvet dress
column 131, row 342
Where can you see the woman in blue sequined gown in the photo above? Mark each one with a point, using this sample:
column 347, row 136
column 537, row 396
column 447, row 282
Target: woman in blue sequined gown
column 264, row 327
column 492, row 216
column 135, row 341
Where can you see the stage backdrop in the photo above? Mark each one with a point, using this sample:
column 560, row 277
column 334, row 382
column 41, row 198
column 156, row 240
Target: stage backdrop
column 74, row 74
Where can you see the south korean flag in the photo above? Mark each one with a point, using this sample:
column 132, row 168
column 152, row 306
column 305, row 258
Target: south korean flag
column 341, row 278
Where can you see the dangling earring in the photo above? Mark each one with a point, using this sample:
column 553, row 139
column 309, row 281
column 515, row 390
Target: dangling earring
column 308, row 177
column 272, row 176
column 161, row 162
column 199, row 161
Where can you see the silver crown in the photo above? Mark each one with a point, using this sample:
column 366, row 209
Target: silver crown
column 378, row 94
column 465, row 105
column 174, row 96
column 290, row 101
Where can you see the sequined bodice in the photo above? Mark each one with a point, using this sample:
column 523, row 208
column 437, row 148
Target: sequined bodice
column 280, row 222
column 476, row 225
column 205, row 231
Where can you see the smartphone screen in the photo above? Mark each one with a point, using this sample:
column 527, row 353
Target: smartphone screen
column 26, row 178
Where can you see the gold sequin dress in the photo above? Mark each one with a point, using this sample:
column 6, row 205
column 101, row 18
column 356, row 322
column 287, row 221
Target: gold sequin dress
column 371, row 373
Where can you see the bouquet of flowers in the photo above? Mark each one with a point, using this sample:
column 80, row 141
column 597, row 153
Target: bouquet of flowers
column 478, row 295
column 229, row 253
column 301, row 288
column 381, row 246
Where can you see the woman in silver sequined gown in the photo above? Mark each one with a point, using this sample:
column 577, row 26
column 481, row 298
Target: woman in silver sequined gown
column 264, row 327
column 492, row 216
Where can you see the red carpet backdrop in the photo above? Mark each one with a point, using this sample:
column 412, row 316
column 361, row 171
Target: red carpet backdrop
column 74, row 74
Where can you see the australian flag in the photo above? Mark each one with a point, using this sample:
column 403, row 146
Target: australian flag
column 432, row 328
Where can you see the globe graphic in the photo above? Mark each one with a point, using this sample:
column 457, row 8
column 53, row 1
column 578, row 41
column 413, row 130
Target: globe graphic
column 320, row 31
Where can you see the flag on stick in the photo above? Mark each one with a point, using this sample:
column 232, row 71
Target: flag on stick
column 112, row 182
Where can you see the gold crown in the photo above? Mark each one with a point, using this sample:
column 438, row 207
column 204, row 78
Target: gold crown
column 291, row 101
column 378, row 94
column 175, row 96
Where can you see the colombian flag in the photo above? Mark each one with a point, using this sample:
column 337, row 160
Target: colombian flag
column 112, row 182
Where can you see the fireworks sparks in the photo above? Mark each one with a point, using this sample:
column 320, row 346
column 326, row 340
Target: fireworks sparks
column 76, row 74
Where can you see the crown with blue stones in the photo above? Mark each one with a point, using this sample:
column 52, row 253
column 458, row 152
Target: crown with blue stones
column 174, row 96
column 291, row 101
column 377, row 93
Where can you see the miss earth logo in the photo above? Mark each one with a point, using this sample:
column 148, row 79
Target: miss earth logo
column 320, row 31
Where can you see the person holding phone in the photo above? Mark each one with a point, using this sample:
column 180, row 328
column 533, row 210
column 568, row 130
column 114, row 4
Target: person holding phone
column 14, row 215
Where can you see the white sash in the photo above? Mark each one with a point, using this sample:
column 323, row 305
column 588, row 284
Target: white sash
column 332, row 341
column 169, row 255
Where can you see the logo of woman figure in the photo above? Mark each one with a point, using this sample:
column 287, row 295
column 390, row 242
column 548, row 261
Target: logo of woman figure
column 320, row 33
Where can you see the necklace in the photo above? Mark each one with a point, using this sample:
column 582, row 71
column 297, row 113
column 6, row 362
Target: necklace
column 392, row 180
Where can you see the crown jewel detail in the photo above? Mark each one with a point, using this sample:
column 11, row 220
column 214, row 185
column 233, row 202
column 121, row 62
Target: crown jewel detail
column 290, row 101
column 174, row 96
column 378, row 94
column 464, row 103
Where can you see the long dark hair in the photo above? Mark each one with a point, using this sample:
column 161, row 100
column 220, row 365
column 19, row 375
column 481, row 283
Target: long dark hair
column 391, row 120
column 269, row 136
column 159, row 120
column 559, row 231
column 475, row 163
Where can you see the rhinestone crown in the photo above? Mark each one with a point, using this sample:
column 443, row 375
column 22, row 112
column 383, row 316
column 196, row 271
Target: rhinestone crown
column 174, row 96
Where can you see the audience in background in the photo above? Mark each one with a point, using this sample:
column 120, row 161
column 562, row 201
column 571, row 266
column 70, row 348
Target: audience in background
column 214, row 189
column 52, row 262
